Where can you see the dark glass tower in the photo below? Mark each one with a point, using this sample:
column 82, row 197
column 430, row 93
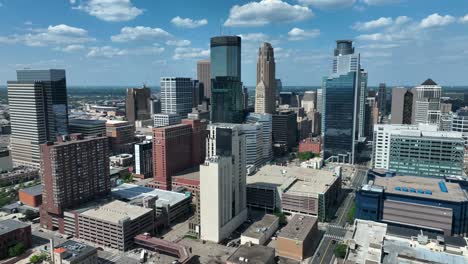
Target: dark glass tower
column 138, row 104
column 225, row 56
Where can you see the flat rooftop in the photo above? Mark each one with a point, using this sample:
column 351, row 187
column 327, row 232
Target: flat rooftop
column 34, row 190
column 10, row 225
column 422, row 187
column 74, row 250
column 192, row 174
column 368, row 237
column 255, row 254
column 257, row 229
column 116, row 211
column 298, row 227
column 132, row 192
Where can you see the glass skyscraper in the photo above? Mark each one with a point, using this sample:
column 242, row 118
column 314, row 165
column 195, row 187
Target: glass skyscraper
column 225, row 56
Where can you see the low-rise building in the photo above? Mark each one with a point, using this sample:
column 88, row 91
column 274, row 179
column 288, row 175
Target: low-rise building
column 259, row 232
column 310, row 144
column 162, row 120
column 121, row 160
column 72, row 252
column 299, row 238
column 366, row 244
column 13, row 232
column 253, row 254
column 18, row 174
column 31, row 196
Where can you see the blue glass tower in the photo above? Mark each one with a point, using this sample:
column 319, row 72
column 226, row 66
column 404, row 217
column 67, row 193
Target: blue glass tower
column 225, row 56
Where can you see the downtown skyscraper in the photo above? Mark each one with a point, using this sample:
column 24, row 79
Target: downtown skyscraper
column 226, row 85
column 137, row 104
column 265, row 92
column 38, row 109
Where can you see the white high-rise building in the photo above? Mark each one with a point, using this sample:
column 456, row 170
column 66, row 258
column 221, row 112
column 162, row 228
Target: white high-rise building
column 426, row 103
column 177, row 95
column 223, row 199
column 266, row 120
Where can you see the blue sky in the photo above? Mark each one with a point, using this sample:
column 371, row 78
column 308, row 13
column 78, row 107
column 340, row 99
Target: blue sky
column 131, row 42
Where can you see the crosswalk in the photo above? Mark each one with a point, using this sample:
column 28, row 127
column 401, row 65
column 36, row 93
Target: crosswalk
column 335, row 237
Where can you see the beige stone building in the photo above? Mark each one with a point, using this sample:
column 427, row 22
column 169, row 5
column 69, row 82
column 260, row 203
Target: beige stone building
column 265, row 93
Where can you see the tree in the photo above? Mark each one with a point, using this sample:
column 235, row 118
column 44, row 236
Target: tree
column 303, row 156
column 38, row 258
column 29, row 214
column 16, row 250
column 340, row 251
column 351, row 214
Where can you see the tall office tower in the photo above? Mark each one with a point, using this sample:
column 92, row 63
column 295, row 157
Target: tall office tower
column 138, row 104
column 343, row 104
column 253, row 144
column 419, row 150
column 426, row 101
column 144, row 159
column 402, row 106
column 362, row 103
column 370, row 117
column 203, row 75
column 279, row 87
column 38, row 110
column 266, row 121
column 320, row 100
column 177, row 148
column 155, row 106
column 382, row 99
column 245, row 98
column 87, row 127
column 316, row 120
column 309, row 101
column 265, row 92
column 176, row 95
column 74, row 170
column 121, row 136
column 289, row 98
column 197, row 93
column 284, row 129
column 226, row 84
column 223, row 204
column 460, row 123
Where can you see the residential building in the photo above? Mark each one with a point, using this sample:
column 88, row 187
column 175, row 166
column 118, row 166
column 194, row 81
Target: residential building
column 255, row 254
column 267, row 139
column 298, row 239
column 418, row 150
column 38, row 111
column 420, row 203
column 72, row 252
column 284, row 129
column 402, row 106
column 176, row 95
column 144, row 159
column 87, row 127
column 203, row 75
column 138, row 104
column 227, row 100
column 162, row 120
column 426, row 101
column 13, row 232
column 265, row 92
column 222, row 182
column 73, row 171
column 121, row 136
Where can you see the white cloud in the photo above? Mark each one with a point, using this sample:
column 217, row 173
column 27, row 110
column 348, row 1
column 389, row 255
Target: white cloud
column 379, row 46
column 300, row 34
column 110, row 52
column 436, row 20
column 188, row 22
column 181, row 53
column 255, row 37
column 380, row 2
column 109, row 10
column 53, row 35
column 71, row 48
column 266, row 12
column 464, row 19
column 328, row 4
column 373, row 24
column 140, row 33
column 178, row 43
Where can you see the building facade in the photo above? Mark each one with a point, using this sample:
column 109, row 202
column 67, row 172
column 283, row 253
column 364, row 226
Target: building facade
column 284, row 129
column 162, row 120
column 88, row 128
column 144, row 159
column 265, row 92
column 138, row 104
column 402, row 106
column 227, row 100
column 176, row 95
column 253, row 144
column 266, row 120
column 121, row 136
column 203, row 75
column 225, row 57
column 13, row 232
column 426, row 101
column 460, row 123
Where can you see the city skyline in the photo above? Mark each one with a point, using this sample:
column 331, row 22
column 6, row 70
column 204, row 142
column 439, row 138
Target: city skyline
column 135, row 42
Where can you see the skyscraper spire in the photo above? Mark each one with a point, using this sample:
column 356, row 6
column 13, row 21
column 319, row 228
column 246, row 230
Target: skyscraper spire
column 265, row 92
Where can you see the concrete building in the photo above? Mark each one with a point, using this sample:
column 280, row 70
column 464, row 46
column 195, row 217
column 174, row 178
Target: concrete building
column 162, row 120
column 254, row 254
column 115, row 224
column 284, row 129
column 309, row 101
column 253, row 144
column 73, row 172
column 87, row 127
column 299, row 238
column 144, row 159
column 138, row 104
column 426, row 103
column 38, row 111
column 121, row 160
column 203, row 75
column 13, row 232
column 121, row 136
column 294, row 190
column 6, row 164
column 31, row 196
column 320, row 100
column 222, row 182
column 415, row 202
column 176, row 95
column 155, row 106
column 366, row 244
column 267, row 139
column 259, row 232
column 265, row 92
column 72, row 252
column 460, row 123
column 418, row 150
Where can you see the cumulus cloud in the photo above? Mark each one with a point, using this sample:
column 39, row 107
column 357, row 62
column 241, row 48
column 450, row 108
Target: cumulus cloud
column 373, row 24
column 380, row 2
column 464, row 19
column 255, row 37
column 300, row 34
column 266, row 12
column 108, row 10
column 181, row 53
column 436, row 20
column 110, row 52
column 178, row 43
column 140, row 33
column 53, row 35
column 71, row 48
column 188, row 22
column 328, row 4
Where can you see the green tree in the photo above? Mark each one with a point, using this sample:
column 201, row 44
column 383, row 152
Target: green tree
column 38, row 258
column 16, row 250
column 340, row 251
column 351, row 214
column 303, row 156
column 281, row 216
column 29, row 214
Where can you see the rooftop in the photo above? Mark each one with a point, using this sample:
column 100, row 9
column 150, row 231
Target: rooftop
column 134, row 192
column 257, row 229
column 429, row 82
column 428, row 188
column 298, row 227
column 116, row 212
column 10, row 225
column 367, row 242
column 74, row 250
column 86, row 122
column 34, row 190
column 255, row 254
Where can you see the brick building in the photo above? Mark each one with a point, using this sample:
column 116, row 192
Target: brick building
column 310, row 144
column 11, row 233
column 31, row 196
column 299, row 238
column 73, row 171
column 121, row 136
